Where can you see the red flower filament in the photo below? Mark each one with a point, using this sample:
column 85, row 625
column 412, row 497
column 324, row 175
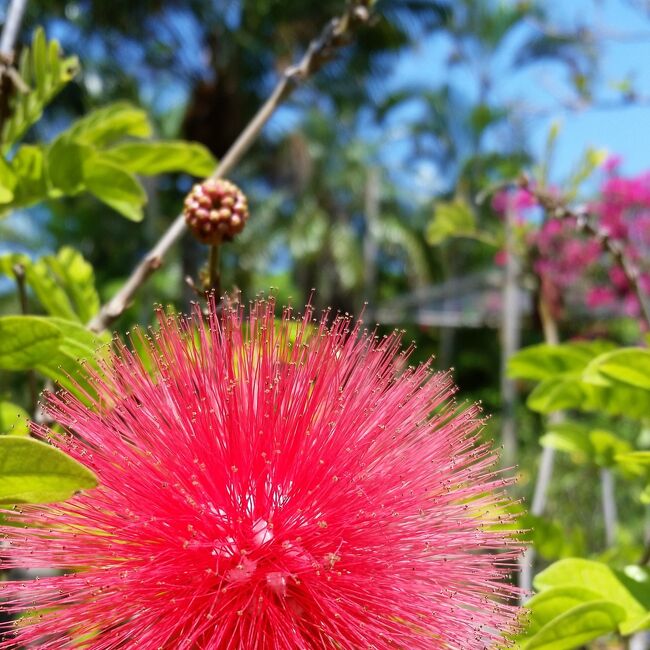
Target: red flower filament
column 266, row 484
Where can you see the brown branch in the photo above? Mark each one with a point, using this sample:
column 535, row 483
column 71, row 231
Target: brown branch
column 556, row 207
column 334, row 35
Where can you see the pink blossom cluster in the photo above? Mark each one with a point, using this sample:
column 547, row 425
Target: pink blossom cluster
column 566, row 260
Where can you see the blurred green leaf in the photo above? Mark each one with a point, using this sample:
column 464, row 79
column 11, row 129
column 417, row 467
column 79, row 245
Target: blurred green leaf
column 570, row 437
column 65, row 163
column 42, row 68
column 544, row 361
column 451, row 219
column 109, row 124
column 151, row 158
column 32, row 471
column 629, row 366
column 31, row 182
column 551, row 539
column 7, row 182
column 597, row 446
column 115, row 187
column 13, row 420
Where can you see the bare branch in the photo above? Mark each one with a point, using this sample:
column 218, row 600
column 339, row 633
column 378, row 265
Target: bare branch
column 334, row 35
column 11, row 27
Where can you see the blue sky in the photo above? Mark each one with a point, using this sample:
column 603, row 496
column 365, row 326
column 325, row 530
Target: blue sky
column 623, row 36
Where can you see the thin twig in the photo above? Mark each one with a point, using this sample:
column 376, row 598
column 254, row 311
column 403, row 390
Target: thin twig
column 10, row 29
column 19, row 274
column 332, row 36
column 10, row 80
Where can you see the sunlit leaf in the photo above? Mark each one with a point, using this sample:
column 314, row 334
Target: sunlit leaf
column 32, row 471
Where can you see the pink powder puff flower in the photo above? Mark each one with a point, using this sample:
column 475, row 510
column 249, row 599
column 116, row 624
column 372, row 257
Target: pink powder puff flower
column 266, row 484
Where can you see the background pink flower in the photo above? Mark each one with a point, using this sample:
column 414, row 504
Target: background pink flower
column 267, row 485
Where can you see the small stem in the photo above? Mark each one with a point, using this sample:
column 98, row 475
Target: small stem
column 19, row 274
column 214, row 270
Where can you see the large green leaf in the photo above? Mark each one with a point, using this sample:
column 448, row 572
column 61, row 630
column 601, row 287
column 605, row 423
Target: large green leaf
column 104, row 126
column 570, row 391
column 49, row 292
column 629, row 366
column 115, row 187
column 630, row 592
column 549, row 604
column 577, row 626
column 570, row 437
column 32, row 471
column 544, row 361
column 151, row 158
column 55, row 347
column 13, row 420
column 65, row 165
column 26, row 341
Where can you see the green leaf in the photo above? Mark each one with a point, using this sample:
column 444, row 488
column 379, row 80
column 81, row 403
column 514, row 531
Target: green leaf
column 608, row 583
column 115, row 187
column 629, row 366
column 31, row 183
column 451, row 219
column 48, row 291
column 77, row 277
column 607, row 446
column 25, row 341
column 577, row 626
column 152, row 158
column 41, row 68
column 544, row 361
column 598, row 446
column 13, row 420
column 556, row 394
column 52, row 346
column 550, row 604
column 65, row 160
column 7, row 182
column 569, row 437
column 104, row 126
column 9, row 260
column 32, row 471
